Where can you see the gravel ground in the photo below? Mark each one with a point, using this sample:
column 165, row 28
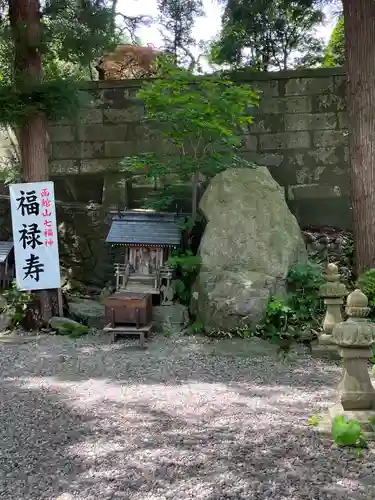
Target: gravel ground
column 87, row 420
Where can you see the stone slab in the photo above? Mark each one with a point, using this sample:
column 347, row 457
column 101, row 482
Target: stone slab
column 362, row 417
column 325, row 351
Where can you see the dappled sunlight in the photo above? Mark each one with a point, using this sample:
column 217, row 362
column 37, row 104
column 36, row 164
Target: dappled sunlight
column 105, row 422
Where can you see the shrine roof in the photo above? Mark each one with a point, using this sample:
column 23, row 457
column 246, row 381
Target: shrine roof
column 5, row 249
column 145, row 228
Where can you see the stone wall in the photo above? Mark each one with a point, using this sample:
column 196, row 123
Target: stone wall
column 299, row 132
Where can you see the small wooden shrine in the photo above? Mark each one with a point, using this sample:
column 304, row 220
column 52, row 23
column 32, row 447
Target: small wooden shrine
column 7, row 268
column 148, row 239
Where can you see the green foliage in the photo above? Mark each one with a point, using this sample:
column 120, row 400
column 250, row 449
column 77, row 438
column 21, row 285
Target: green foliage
column 372, row 423
column 366, row 283
column 278, row 316
column 73, row 35
column 195, row 328
column 295, row 313
column 335, row 52
column 186, row 266
column 242, row 332
column 71, row 330
column 313, row 421
column 17, row 303
column 347, row 432
column 59, row 98
column 264, row 34
column 304, row 282
column 198, row 122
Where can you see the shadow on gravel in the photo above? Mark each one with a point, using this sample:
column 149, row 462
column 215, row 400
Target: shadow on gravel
column 247, row 441
column 172, row 365
column 47, row 452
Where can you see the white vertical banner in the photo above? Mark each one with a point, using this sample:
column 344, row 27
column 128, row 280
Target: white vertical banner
column 34, row 226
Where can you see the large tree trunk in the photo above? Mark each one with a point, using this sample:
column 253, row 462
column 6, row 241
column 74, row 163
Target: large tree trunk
column 25, row 20
column 359, row 21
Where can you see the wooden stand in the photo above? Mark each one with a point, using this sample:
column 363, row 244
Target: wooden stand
column 117, row 331
column 129, row 314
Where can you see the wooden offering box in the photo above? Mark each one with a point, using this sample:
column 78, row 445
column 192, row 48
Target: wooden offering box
column 129, row 314
column 129, row 309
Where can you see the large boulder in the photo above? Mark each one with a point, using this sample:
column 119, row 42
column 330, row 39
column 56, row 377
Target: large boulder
column 250, row 242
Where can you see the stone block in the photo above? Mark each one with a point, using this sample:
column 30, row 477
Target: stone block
column 115, row 190
column 306, row 175
column 285, row 140
column 329, row 138
column 92, row 116
column 132, row 113
column 313, row 191
column 58, row 167
column 329, row 157
column 77, row 150
column 140, row 131
column 267, row 123
column 66, row 150
column 343, row 120
column 362, row 416
column 118, row 98
column 250, row 143
column 328, row 103
column 92, row 149
column 340, row 82
column 101, row 132
column 309, row 86
column 308, row 121
column 93, row 165
column 264, row 159
column 325, row 352
column 61, row 133
column 268, row 88
column 120, row 149
column 298, row 104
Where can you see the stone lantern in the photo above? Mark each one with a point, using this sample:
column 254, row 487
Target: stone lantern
column 354, row 338
column 333, row 293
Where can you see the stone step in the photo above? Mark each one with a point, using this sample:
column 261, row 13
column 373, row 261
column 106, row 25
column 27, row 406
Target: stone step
column 141, row 278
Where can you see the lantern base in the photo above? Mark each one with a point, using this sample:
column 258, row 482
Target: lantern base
column 362, row 416
column 326, row 351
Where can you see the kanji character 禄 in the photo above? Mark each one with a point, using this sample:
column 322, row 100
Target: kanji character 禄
column 30, row 236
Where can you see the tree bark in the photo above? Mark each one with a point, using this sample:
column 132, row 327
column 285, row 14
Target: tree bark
column 359, row 21
column 25, row 20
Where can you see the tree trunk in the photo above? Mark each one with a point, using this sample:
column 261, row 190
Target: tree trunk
column 359, row 21
column 25, row 20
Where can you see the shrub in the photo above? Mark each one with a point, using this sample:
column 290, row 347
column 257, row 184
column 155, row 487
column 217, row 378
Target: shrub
column 366, row 283
column 303, row 282
column 186, row 265
column 17, row 303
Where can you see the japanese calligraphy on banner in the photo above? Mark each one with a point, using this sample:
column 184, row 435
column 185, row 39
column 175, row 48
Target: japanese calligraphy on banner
column 35, row 236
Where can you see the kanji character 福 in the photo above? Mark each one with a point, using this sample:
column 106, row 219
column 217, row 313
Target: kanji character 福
column 28, row 203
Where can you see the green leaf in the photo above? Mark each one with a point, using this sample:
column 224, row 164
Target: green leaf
column 313, row 421
column 347, row 432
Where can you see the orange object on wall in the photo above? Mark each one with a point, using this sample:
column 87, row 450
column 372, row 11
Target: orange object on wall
column 128, row 61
